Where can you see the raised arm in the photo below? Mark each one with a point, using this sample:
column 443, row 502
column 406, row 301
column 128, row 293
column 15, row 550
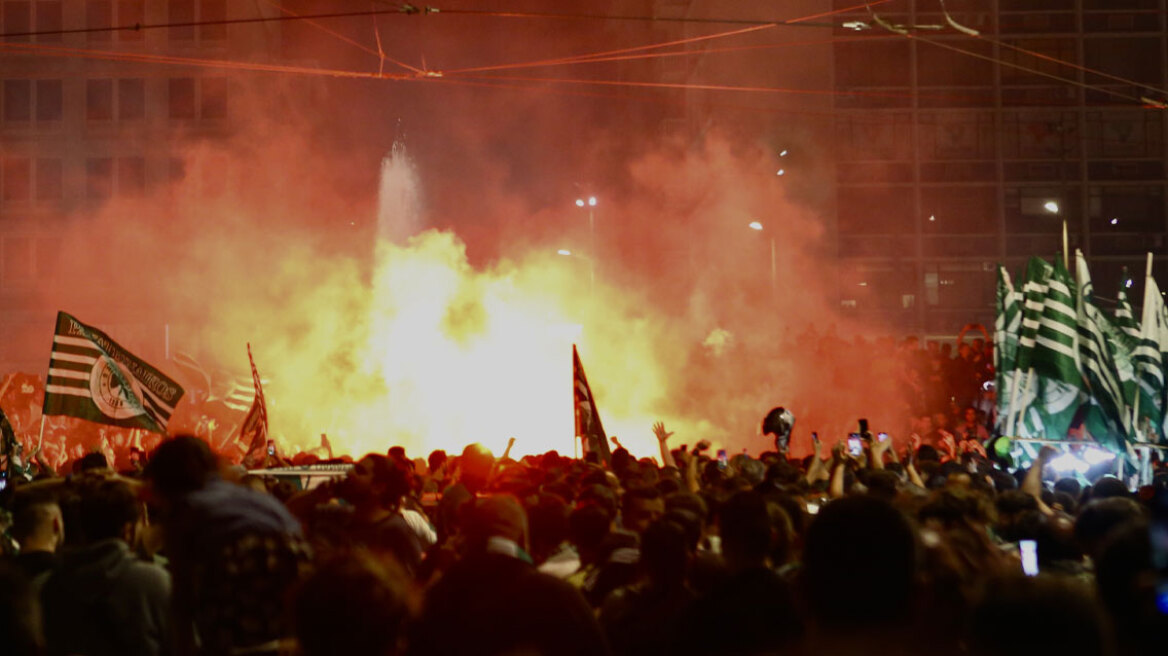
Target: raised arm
column 662, row 441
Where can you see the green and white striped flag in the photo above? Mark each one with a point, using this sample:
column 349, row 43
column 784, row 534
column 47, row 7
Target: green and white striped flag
column 1107, row 417
column 1150, row 356
column 1123, row 335
column 1054, row 356
column 1125, row 316
column 92, row 377
column 1007, row 325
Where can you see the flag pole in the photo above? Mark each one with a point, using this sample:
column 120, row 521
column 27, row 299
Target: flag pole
column 1136, row 404
column 1066, row 251
column 166, row 340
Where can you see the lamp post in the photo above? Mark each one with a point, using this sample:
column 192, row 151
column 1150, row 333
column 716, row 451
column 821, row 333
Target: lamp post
column 757, row 225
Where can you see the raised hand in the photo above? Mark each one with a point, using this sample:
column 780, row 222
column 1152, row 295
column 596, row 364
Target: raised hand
column 659, row 430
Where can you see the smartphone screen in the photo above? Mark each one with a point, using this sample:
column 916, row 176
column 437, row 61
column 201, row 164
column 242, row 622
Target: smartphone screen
column 814, row 437
column 1029, row 551
column 855, row 444
column 723, row 459
column 883, row 437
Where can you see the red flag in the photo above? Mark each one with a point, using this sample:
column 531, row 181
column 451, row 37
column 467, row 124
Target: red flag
column 588, row 426
column 255, row 423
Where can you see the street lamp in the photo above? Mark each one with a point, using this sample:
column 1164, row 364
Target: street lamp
column 1051, row 206
column 757, row 225
column 590, row 203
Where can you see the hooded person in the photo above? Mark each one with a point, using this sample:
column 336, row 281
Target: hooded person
column 234, row 553
column 496, row 598
column 101, row 599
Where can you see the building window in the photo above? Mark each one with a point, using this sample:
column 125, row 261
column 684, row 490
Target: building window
column 1017, row 66
column 99, row 14
column 48, row 100
column 99, row 100
column 204, row 98
column 17, row 19
column 1040, row 135
column 131, row 12
column 131, row 99
column 99, row 177
column 1041, row 208
column 1126, row 208
column 131, row 176
column 865, row 139
column 957, row 135
column 876, row 210
column 21, row 104
column 883, row 63
column 48, row 19
column 1129, row 57
column 17, row 100
column 1124, row 134
column 17, row 179
column 191, row 11
column 941, row 67
column 210, row 11
column 48, row 179
column 182, row 98
column 959, row 210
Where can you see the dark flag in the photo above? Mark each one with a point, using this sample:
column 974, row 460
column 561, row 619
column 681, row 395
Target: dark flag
column 92, row 377
column 588, row 427
column 255, row 424
column 195, row 374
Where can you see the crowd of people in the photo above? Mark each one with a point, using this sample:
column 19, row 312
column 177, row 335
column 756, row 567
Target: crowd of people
column 881, row 550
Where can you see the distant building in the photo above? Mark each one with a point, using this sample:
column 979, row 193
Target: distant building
column 948, row 163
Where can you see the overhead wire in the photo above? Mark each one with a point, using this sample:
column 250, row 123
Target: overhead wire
column 908, row 31
column 586, row 58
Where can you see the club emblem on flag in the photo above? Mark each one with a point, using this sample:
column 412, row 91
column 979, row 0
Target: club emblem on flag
column 109, row 395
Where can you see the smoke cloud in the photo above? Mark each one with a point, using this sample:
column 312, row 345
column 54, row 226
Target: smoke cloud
column 461, row 330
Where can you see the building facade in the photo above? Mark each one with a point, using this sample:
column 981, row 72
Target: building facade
column 955, row 153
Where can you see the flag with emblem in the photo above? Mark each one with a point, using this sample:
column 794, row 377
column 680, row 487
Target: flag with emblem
column 92, row 377
column 588, row 426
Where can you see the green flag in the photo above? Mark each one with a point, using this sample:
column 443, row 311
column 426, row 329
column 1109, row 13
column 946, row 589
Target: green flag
column 1054, row 357
column 1149, row 358
column 1125, row 317
column 1107, row 417
column 92, row 377
column 1007, row 325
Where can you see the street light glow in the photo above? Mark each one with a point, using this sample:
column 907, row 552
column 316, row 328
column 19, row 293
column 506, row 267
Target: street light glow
column 564, row 251
column 755, row 225
column 1051, row 206
column 592, row 201
column 781, row 172
column 1114, row 221
column 783, row 154
column 579, row 202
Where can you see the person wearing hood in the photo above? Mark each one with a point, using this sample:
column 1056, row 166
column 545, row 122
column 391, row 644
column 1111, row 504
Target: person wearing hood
column 101, row 598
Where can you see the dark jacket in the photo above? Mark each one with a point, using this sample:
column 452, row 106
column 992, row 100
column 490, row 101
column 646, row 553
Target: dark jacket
column 491, row 604
column 101, row 599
